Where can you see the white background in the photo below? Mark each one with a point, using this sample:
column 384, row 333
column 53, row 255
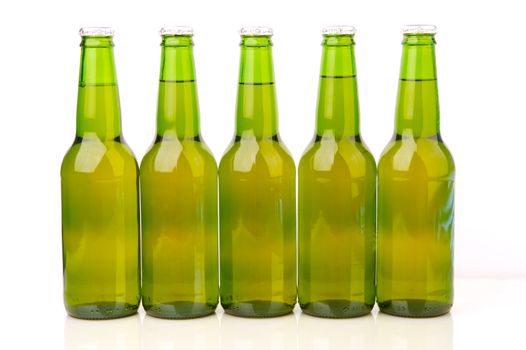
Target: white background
column 481, row 69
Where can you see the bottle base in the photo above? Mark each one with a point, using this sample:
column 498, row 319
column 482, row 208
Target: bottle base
column 417, row 308
column 180, row 310
column 101, row 311
column 336, row 308
column 258, row 309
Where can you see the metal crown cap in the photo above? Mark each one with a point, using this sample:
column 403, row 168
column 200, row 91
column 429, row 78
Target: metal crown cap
column 177, row 30
column 256, row 31
column 419, row 29
column 96, row 31
column 338, row 30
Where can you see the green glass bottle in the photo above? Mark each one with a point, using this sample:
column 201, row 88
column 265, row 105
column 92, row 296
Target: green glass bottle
column 100, row 212
column 337, row 194
column 415, row 193
column 257, row 198
column 179, row 195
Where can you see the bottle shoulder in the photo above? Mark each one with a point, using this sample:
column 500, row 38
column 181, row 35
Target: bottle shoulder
column 346, row 156
column 175, row 155
column 91, row 155
column 249, row 154
column 429, row 155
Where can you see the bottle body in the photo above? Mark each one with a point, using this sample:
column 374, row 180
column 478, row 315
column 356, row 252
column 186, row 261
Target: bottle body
column 100, row 213
column 100, row 230
column 415, row 196
column 337, row 197
column 336, row 229
column 179, row 220
column 258, row 238
column 415, row 228
column 179, row 197
column 257, row 199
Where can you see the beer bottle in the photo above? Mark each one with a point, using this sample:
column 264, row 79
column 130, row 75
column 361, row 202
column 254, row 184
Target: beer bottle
column 100, row 213
column 337, row 194
column 257, row 195
column 179, row 195
column 415, row 193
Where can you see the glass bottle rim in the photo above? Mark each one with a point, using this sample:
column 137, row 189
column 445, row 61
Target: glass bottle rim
column 338, row 30
column 177, row 31
column 419, row 29
column 96, row 31
column 256, row 31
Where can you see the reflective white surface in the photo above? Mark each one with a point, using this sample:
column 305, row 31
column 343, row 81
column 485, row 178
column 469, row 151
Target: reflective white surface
column 195, row 334
column 485, row 316
column 121, row 333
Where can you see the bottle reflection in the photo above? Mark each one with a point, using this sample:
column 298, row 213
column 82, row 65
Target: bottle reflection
column 335, row 334
column 189, row 334
column 414, row 334
column 277, row 333
column 117, row 334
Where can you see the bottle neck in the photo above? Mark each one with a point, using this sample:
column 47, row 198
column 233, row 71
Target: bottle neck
column 417, row 111
column 98, row 109
column 256, row 114
column 338, row 113
column 177, row 107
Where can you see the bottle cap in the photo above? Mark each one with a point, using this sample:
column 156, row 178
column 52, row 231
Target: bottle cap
column 177, row 31
column 338, row 30
column 256, row 31
column 96, row 31
column 419, row 29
